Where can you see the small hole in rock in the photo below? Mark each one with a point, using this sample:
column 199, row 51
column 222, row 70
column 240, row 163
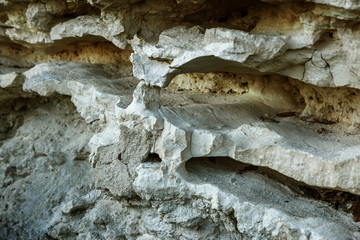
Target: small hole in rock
column 119, row 157
column 153, row 157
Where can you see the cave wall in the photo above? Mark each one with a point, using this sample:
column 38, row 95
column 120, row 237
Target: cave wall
column 180, row 119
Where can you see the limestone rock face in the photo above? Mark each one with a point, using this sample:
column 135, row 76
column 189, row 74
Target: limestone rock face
column 179, row 119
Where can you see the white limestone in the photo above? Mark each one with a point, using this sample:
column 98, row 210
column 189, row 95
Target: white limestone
column 84, row 26
column 246, row 127
column 196, row 51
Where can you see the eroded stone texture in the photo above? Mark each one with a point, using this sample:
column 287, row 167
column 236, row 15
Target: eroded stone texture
column 179, row 119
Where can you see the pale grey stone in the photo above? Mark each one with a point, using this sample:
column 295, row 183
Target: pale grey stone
column 237, row 121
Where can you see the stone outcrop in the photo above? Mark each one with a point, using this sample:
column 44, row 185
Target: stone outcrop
column 179, row 119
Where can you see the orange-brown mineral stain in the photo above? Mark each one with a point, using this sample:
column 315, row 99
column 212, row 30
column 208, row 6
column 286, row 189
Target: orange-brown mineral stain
column 270, row 120
column 356, row 211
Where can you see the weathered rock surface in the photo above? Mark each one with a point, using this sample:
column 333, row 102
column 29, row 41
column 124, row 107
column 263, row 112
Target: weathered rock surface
column 179, row 119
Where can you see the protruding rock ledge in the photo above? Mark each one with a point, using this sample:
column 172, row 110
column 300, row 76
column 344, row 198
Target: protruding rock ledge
column 186, row 50
column 291, row 146
column 94, row 90
column 84, row 26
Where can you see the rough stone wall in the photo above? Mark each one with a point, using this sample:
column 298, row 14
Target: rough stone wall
column 179, row 119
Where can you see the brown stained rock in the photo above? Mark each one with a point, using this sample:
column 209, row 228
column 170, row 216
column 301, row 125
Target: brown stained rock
column 267, row 119
column 356, row 211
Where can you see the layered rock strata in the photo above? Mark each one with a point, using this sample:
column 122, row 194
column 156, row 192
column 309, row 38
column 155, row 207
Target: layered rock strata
column 179, row 119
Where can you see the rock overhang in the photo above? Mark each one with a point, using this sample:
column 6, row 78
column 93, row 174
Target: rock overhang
column 281, row 96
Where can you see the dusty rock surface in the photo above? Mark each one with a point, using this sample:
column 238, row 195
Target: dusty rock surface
column 147, row 119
